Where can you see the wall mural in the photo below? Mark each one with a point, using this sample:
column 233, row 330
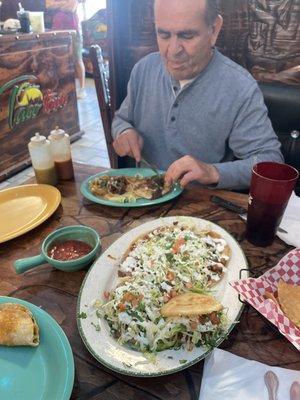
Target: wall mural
column 263, row 36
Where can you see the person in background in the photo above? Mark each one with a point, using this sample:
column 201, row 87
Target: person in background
column 191, row 110
column 63, row 20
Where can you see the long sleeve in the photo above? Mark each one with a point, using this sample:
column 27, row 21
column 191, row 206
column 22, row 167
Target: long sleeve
column 123, row 118
column 251, row 140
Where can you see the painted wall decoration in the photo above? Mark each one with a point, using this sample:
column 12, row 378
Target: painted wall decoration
column 263, row 36
column 26, row 100
column 37, row 92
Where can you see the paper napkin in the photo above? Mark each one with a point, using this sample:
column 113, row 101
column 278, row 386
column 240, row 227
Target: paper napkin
column 226, row 376
column 291, row 222
column 253, row 291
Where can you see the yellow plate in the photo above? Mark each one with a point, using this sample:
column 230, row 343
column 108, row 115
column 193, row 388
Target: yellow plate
column 22, row 208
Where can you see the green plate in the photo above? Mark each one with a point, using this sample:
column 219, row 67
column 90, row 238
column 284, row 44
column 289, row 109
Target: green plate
column 129, row 172
column 45, row 372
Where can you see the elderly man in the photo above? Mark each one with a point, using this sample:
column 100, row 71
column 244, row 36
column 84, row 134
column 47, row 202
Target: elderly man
column 191, row 110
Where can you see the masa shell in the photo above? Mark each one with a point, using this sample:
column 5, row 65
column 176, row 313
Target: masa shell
column 289, row 299
column 189, row 304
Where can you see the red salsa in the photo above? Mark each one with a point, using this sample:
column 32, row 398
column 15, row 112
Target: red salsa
column 69, row 250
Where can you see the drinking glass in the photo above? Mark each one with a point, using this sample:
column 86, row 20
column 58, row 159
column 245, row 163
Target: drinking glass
column 270, row 189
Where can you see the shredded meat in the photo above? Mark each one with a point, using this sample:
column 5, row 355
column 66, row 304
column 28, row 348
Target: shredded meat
column 117, row 185
column 216, row 268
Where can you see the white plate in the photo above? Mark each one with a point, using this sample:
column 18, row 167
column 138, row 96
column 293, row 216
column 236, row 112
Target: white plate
column 103, row 276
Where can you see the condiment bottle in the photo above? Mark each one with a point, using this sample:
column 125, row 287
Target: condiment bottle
column 24, row 19
column 61, row 153
column 42, row 161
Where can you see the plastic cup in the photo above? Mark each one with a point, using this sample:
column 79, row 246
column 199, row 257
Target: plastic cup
column 37, row 21
column 270, row 189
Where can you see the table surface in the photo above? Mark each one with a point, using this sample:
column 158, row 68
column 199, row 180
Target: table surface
column 56, row 291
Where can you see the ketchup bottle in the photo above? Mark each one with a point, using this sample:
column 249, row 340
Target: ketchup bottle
column 41, row 158
column 61, row 153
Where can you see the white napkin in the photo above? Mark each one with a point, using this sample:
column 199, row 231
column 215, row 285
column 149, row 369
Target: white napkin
column 291, row 222
column 227, row 376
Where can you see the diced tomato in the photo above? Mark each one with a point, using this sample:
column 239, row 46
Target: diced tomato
column 215, row 320
column 121, row 307
column 177, row 245
column 132, row 298
column 170, row 276
column 193, row 325
column 166, row 298
column 128, row 296
column 106, row 294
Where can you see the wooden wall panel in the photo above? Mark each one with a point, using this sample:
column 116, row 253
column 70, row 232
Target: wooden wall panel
column 40, row 70
column 261, row 35
column 264, row 37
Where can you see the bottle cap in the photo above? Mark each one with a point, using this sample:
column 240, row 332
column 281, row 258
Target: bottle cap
column 38, row 139
column 57, row 133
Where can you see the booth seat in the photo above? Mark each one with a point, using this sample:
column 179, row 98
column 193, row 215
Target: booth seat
column 283, row 104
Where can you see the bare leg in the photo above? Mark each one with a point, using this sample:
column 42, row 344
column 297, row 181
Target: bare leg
column 80, row 73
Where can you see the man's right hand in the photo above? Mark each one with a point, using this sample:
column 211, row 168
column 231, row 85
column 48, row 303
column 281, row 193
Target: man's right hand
column 129, row 143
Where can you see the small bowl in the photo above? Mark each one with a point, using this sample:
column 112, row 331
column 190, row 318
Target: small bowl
column 74, row 232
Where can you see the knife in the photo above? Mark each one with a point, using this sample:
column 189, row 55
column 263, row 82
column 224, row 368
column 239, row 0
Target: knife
column 151, row 166
column 228, row 205
column 235, row 208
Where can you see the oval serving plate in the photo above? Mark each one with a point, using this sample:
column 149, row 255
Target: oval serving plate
column 176, row 191
column 23, row 208
column 103, row 276
column 43, row 372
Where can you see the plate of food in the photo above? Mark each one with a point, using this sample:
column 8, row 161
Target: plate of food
column 34, row 352
column 158, row 299
column 129, row 187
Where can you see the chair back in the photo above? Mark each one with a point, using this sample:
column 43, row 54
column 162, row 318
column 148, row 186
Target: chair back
column 101, row 78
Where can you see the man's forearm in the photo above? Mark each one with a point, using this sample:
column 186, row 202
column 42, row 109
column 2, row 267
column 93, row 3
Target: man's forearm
column 236, row 175
column 119, row 125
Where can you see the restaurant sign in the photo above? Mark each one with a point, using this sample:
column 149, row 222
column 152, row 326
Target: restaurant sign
column 26, row 100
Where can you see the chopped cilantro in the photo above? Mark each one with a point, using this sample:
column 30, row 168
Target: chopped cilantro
column 126, row 365
column 82, row 315
column 134, row 314
column 141, row 306
column 182, row 361
column 96, row 326
column 169, row 257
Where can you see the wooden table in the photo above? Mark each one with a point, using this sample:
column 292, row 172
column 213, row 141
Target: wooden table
column 56, row 292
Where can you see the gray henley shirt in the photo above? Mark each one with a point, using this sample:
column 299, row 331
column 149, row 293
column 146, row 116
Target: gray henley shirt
column 219, row 118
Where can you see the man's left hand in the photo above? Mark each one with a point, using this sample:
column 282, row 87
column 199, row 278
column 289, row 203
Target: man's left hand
column 189, row 169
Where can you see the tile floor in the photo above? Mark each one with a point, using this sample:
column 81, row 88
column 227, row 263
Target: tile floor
column 90, row 148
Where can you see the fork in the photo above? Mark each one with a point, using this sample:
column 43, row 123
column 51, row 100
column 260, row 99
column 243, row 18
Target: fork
column 151, row 166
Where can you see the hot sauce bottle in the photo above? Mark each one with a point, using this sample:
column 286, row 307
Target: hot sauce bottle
column 61, row 153
column 41, row 158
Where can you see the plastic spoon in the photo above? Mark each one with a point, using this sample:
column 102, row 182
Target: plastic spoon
column 295, row 391
column 272, row 383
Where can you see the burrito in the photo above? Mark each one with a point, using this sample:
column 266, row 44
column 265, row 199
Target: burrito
column 17, row 326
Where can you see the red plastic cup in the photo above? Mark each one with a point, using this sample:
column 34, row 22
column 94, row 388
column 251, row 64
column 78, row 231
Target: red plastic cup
column 270, row 189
